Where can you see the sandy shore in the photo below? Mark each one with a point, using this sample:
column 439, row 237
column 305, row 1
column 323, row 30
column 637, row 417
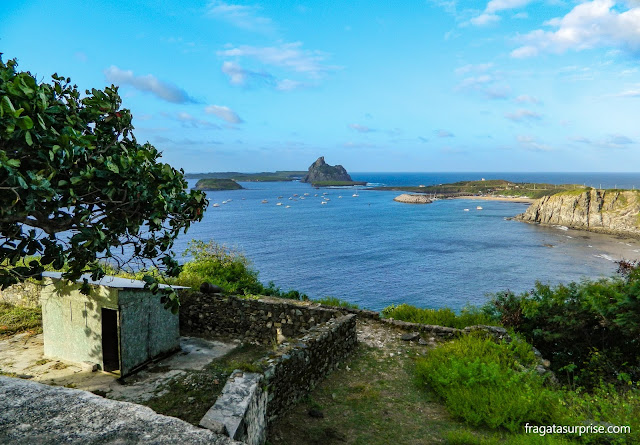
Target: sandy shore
column 496, row 198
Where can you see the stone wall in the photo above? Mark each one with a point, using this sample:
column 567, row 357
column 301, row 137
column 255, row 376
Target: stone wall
column 22, row 294
column 250, row 401
column 256, row 320
column 295, row 369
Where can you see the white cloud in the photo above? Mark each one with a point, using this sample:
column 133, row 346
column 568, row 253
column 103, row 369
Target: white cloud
column 224, row 113
column 531, row 143
column 588, row 25
column 289, row 85
column 485, row 19
column 149, row 83
column 629, row 93
column 444, row 134
column 242, row 16
column 190, row 121
column 290, row 56
column 524, row 98
column 522, row 115
column 480, row 68
column 489, row 15
column 360, row 128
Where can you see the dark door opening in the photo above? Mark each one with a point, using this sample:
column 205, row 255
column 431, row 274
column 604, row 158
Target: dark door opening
column 110, row 350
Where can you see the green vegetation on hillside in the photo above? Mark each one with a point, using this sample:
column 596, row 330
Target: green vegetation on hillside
column 283, row 175
column 493, row 187
column 469, row 316
column 212, row 184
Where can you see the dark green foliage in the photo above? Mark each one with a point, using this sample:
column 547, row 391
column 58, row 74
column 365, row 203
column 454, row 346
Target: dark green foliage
column 228, row 269
column 590, row 330
column 76, row 188
column 469, row 316
column 488, row 383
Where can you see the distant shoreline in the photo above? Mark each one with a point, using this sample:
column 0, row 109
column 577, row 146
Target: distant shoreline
column 496, row 198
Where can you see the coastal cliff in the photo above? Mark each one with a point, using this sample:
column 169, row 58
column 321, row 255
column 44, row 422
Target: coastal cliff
column 605, row 211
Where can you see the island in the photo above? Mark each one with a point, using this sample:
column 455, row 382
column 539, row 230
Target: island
column 321, row 174
column 277, row 176
column 213, row 184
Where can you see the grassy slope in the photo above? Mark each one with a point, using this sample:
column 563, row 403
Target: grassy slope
column 16, row 319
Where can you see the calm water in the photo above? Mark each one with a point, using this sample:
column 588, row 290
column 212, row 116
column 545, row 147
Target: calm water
column 373, row 251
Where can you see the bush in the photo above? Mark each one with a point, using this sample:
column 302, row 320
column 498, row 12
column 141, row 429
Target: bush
column 15, row 319
column 590, row 330
column 333, row 301
column 227, row 268
column 469, row 316
column 488, row 383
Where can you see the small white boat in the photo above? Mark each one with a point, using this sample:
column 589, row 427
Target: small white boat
column 315, row 194
column 279, row 197
column 306, row 194
column 466, row 210
column 224, row 202
column 287, row 207
column 216, row 205
column 228, row 200
column 355, row 195
column 327, row 199
column 339, row 197
column 302, row 197
column 279, row 204
column 264, row 201
column 325, row 193
column 323, row 202
column 478, row 208
column 290, row 197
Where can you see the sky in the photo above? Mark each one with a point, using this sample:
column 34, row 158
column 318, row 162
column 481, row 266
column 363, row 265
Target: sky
column 427, row 86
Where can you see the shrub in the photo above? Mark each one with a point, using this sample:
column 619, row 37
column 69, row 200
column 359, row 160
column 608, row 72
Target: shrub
column 488, row 383
column 469, row 316
column 590, row 330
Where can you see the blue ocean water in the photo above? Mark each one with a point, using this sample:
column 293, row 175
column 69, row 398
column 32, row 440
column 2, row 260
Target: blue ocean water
column 373, row 251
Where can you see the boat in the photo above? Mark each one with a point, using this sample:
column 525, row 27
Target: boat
column 315, row 194
column 264, row 201
column 323, row 202
column 302, row 197
column 295, row 194
column 216, row 205
column 279, row 197
column 327, row 199
column 290, row 197
column 478, row 208
column 339, row 197
column 466, row 210
column 287, row 207
column 355, row 195
column 306, row 194
column 224, row 202
column 279, row 204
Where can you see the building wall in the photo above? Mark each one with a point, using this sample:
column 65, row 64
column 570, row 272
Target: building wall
column 72, row 322
column 147, row 329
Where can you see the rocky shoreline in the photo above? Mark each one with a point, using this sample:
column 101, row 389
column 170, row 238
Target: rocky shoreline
column 612, row 212
column 413, row 199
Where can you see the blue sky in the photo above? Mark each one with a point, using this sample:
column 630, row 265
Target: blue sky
column 432, row 85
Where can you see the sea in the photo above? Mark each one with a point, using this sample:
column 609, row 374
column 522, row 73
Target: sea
column 374, row 252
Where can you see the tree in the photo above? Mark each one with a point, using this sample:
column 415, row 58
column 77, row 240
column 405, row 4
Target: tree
column 76, row 188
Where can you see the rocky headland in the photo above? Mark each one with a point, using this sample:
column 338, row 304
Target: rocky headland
column 413, row 199
column 320, row 174
column 615, row 212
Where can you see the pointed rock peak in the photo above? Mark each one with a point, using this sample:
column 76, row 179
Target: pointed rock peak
column 319, row 162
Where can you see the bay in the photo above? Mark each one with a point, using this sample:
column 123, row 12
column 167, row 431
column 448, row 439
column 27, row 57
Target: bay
column 373, row 251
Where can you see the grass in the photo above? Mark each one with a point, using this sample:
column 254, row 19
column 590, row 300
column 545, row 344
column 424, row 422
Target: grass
column 17, row 319
column 442, row 317
column 190, row 395
column 336, row 302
